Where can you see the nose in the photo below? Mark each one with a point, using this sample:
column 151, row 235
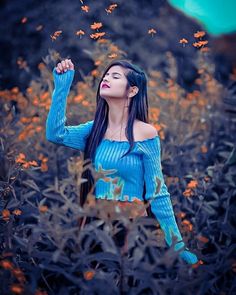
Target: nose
column 105, row 79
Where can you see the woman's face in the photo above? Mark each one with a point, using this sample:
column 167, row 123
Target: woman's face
column 114, row 83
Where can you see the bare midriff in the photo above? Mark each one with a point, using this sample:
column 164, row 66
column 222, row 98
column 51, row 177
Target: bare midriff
column 132, row 209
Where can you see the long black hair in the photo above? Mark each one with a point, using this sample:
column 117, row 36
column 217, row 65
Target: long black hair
column 138, row 109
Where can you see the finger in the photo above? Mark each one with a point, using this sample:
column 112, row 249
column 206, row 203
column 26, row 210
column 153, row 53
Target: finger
column 71, row 64
column 60, row 67
column 67, row 63
column 63, row 64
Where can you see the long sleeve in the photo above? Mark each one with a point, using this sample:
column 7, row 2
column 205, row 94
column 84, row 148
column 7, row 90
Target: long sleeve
column 56, row 131
column 160, row 202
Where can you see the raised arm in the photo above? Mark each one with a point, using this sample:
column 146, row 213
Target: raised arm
column 56, row 131
column 161, row 205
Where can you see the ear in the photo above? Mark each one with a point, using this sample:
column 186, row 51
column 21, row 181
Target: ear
column 133, row 91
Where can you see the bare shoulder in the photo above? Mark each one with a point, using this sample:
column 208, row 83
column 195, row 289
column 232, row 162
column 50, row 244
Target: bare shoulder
column 144, row 130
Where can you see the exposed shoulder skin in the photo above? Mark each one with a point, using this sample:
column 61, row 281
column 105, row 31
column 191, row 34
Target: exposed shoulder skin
column 144, row 131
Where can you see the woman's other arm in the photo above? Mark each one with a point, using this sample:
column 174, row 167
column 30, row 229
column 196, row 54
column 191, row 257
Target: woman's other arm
column 160, row 202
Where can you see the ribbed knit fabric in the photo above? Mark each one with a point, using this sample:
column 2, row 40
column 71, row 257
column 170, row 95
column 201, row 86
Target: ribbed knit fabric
column 123, row 178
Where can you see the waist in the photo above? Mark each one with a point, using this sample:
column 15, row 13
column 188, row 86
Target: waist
column 115, row 208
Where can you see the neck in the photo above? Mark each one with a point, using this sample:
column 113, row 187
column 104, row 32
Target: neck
column 117, row 114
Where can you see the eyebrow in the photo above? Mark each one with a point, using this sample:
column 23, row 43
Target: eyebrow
column 115, row 73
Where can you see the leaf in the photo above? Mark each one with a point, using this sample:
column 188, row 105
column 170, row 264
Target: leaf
column 32, row 184
column 232, row 158
column 138, row 255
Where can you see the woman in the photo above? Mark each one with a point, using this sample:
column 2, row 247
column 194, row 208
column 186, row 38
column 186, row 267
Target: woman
column 119, row 142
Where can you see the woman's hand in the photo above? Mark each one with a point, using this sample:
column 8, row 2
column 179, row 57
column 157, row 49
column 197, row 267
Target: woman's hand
column 189, row 257
column 64, row 65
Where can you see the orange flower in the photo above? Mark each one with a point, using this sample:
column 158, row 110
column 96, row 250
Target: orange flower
column 38, row 128
column 15, row 90
column 203, row 239
column 43, row 209
column 110, row 8
column 200, row 43
column 114, row 55
column 113, row 6
column 152, row 31
column 80, row 33
column 95, row 73
column 20, row 158
column 17, row 272
column 203, row 149
column 6, row 264
column 44, row 167
column 17, row 212
column 183, row 41
column 55, row 35
column 17, row 289
column 192, row 184
column 181, row 214
column 85, row 103
column 88, row 275
column 27, row 165
column 152, row 83
column 36, row 119
column 97, row 35
column 188, row 193
column 188, row 224
column 33, row 163
column 97, row 62
column 199, row 34
column 195, row 265
column 78, row 98
column 96, row 26
column 85, row 8
column 6, row 214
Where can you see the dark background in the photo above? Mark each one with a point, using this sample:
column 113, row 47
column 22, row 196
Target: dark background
column 126, row 26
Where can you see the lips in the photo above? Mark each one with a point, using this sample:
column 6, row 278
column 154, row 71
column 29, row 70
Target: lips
column 105, row 86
